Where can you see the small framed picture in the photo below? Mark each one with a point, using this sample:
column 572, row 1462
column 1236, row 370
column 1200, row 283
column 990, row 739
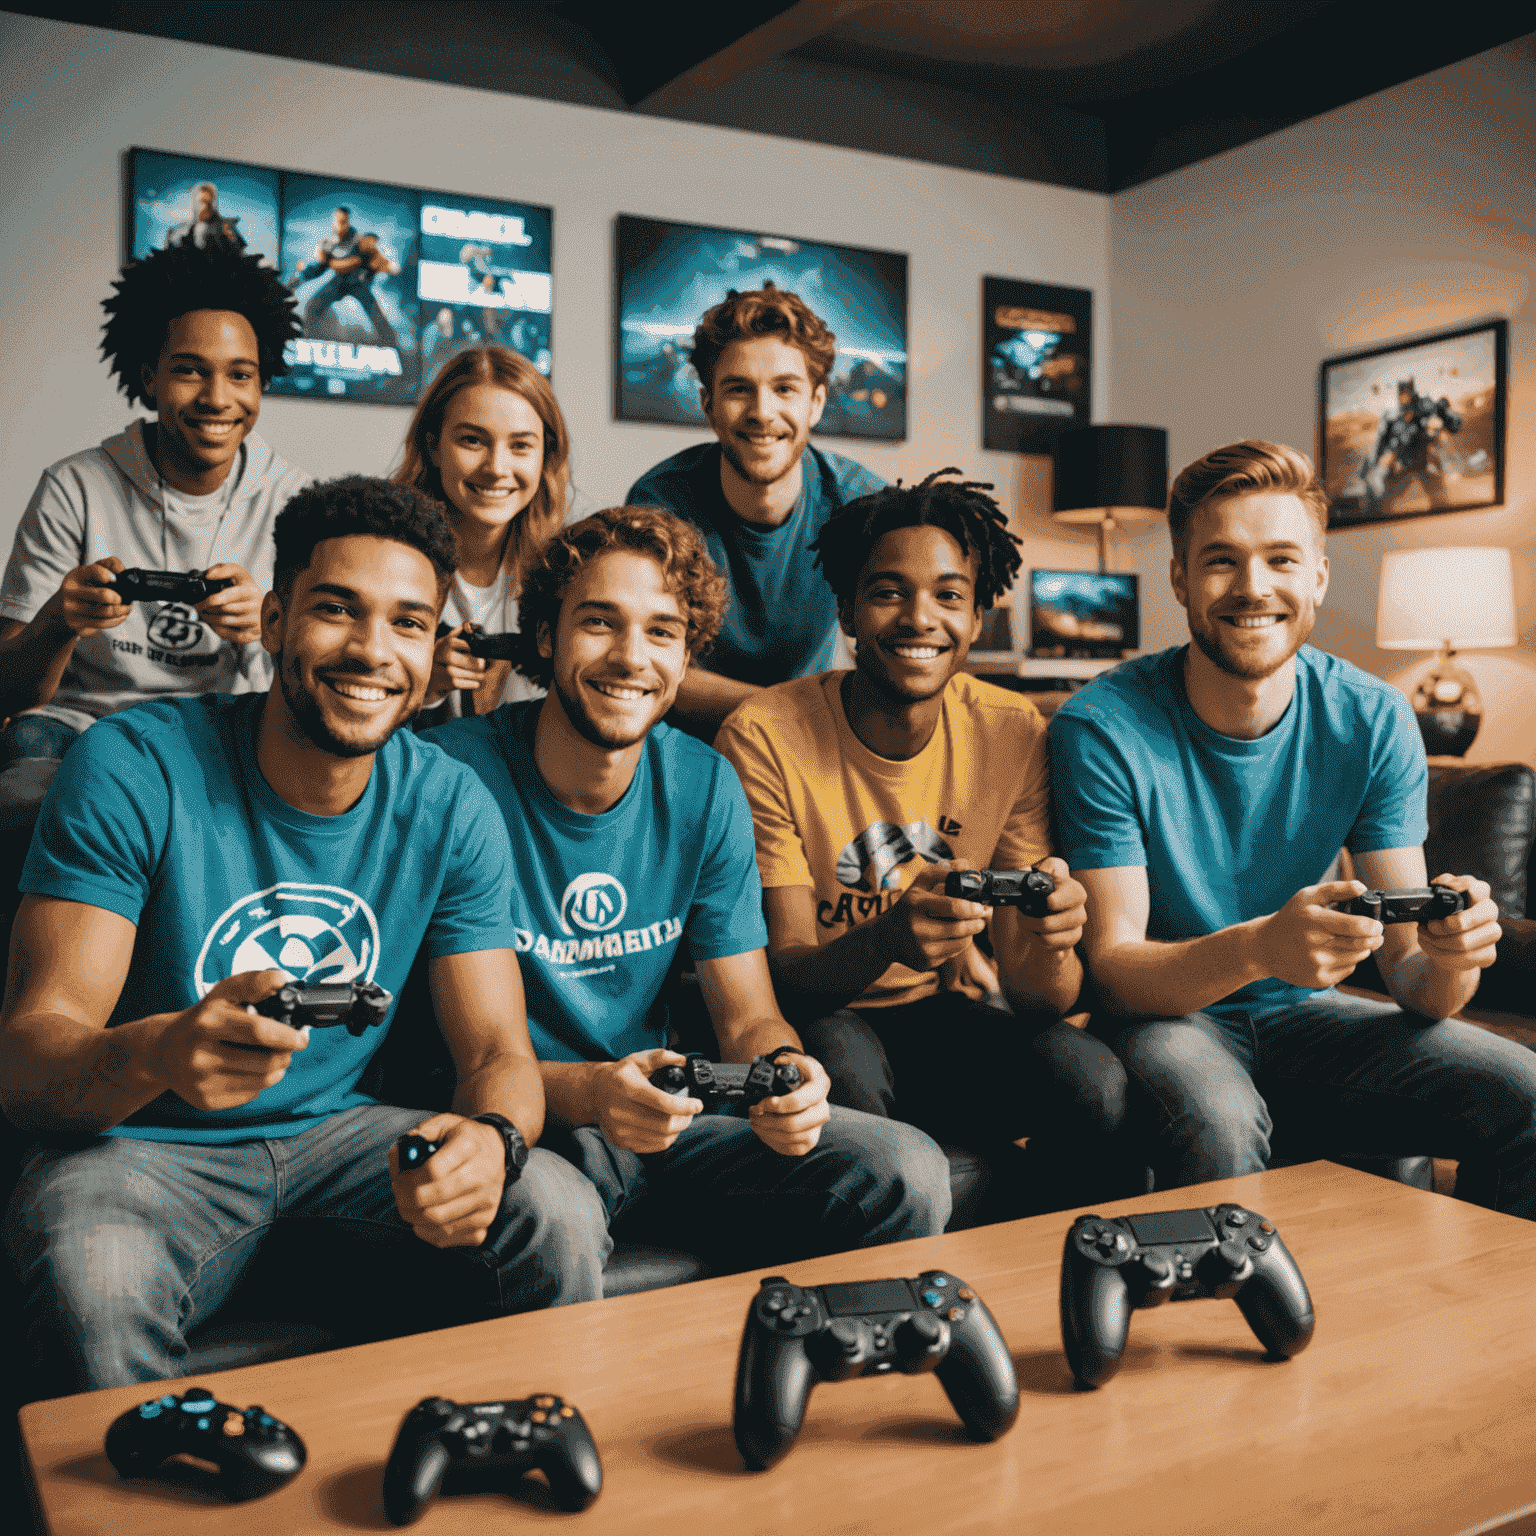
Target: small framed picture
column 1036, row 351
column 1414, row 428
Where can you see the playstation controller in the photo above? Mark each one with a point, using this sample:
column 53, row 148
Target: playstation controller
column 1113, row 1266
column 136, row 585
column 357, row 1004
column 412, row 1152
column 511, row 1438
column 492, row 647
column 1026, row 889
column 796, row 1336
column 1420, row 904
column 254, row 1452
column 728, row 1082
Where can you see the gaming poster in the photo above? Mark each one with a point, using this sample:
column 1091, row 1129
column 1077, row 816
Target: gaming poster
column 669, row 274
column 177, row 198
column 1036, row 342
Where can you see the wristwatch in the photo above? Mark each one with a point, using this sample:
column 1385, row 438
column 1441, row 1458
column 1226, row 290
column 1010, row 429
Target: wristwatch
column 512, row 1140
column 780, row 1050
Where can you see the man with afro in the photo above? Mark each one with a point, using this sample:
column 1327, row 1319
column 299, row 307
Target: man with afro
column 196, row 334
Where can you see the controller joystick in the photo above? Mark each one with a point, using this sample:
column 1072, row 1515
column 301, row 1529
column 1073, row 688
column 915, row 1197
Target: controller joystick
column 412, row 1151
column 1112, row 1267
column 1419, row 904
column 796, row 1336
column 728, row 1082
column 357, row 1004
column 438, row 1437
column 254, row 1452
column 136, row 585
column 491, row 647
column 1027, row 889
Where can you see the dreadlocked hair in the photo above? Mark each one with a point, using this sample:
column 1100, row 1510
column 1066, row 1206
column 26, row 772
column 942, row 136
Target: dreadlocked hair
column 961, row 508
column 169, row 283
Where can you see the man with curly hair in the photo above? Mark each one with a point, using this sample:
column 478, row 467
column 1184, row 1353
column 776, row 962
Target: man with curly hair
column 630, row 837
column 195, row 333
column 192, row 856
column 868, row 787
column 760, row 494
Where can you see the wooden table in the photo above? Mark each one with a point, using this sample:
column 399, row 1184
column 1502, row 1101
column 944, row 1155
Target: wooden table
column 1413, row 1410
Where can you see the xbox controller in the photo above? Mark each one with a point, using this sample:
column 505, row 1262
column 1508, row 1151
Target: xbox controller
column 254, row 1452
column 437, row 1437
column 411, row 1152
column 136, row 585
column 1112, row 1266
column 1421, row 904
column 798, row 1335
column 492, row 647
column 357, row 1004
column 1026, row 889
column 728, row 1082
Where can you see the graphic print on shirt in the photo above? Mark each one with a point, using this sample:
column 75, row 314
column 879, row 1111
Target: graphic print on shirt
column 873, row 860
column 596, row 903
column 176, row 627
column 314, row 933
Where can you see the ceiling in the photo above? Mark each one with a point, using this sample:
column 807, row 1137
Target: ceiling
column 1095, row 94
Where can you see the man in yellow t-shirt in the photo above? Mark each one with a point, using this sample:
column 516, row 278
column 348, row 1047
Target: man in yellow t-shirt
column 867, row 788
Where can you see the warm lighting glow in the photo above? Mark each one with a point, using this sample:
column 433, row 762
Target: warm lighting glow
column 1458, row 598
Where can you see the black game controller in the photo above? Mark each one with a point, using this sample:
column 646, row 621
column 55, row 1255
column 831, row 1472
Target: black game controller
column 799, row 1335
column 357, row 1004
column 1114, row 1265
column 253, row 1451
column 437, row 1436
column 140, row 586
column 412, row 1151
column 1026, row 889
column 492, row 647
column 1422, row 904
column 728, row 1082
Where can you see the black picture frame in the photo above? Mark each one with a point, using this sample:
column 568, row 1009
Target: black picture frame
column 1384, row 459
column 1036, row 363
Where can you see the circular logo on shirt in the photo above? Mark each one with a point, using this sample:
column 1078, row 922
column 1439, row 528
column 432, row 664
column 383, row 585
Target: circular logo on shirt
column 595, row 902
column 314, row 933
column 176, row 627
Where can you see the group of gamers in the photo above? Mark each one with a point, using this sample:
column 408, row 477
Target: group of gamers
column 309, row 775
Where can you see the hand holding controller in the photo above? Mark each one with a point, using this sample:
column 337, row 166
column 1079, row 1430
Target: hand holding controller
column 541, row 1432
column 411, row 1152
column 1421, row 904
column 357, row 1004
column 721, row 1082
column 1111, row 1267
column 491, row 647
column 137, row 585
column 796, row 1336
column 1026, row 889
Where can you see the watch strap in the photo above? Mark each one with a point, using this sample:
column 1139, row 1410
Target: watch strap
column 780, row 1050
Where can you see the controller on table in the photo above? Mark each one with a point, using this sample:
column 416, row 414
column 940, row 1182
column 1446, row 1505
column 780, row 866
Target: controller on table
column 728, row 1082
column 492, row 647
column 1420, row 904
column 1113, row 1266
column 796, row 1336
column 357, row 1004
column 136, row 585
column 1026, row 889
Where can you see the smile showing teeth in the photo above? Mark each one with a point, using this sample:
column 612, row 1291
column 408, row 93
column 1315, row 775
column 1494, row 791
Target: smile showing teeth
column 492, row 492
column 214, row 428
column 366, row 692
column 618, row 691
column 917, row 652
column 1254, row 621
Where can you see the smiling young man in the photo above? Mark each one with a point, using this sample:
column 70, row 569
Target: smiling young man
column 194, row 854
column 867, row 788
column 196, row 334
column 1202, row 797
column 760, row 495
column 629, row 836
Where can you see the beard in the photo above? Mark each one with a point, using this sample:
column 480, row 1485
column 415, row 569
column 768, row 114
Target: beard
column 1210, row 642
column 756, row 476
column 609, row 740
column 309, row 717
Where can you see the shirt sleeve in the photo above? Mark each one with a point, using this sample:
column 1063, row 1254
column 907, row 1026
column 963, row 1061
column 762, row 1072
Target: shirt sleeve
column 50, row 543
column 1394, row 813
column 781, row 858
column 1026, row 835
column 1098, row 825
column 726, row 917
column 474, row 906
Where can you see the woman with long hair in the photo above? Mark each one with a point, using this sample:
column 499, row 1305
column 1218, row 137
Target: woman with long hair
column 489, row 442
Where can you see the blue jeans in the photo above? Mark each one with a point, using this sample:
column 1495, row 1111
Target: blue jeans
column 123, row 1246
column 1343, row 1075
column 721, row 1189
column 30, row 750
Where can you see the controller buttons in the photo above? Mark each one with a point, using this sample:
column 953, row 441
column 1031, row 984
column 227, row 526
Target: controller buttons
column 940, row 1280
column 202, row 1423
column 933, row 1298
column 786, row 1320
column 234, row 1424
column 567, row 1413
column 538, row 1416
column 1237, row 1218
column 845, row 1335
column 965, row 1293
column 198, row 1405
column 1258, row 1244
column 775, row 1303
column 956, row 1314
column 544, row 1400
column 150, row 1410
column 1266, row 1226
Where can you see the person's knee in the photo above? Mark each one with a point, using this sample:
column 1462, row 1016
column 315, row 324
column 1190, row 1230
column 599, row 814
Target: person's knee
column 850, row 1052
column 900, row 1162
column 559, row 1238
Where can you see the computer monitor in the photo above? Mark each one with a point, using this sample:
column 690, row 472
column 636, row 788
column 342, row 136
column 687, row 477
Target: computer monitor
column 1083, row 613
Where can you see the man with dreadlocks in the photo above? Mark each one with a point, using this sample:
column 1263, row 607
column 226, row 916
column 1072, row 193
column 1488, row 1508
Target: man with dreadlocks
column 195, row 333
column 867, row 788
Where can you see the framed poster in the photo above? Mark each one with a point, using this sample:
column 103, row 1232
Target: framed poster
column 1036, row 360
column 669, row 274
column 1414, row 428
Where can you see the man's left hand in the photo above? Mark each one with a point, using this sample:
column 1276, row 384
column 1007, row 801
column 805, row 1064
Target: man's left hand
column 791, row 1123
column 1066, row 908
column 1466, row 940
column 452, row 1199
column 235, row 613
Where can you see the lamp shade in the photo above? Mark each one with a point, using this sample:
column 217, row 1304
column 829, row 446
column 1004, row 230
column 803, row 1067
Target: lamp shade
column 1114, row 471
column 1460, row 598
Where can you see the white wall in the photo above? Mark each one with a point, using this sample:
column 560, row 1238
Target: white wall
column 77, row 97
column 1231, row 280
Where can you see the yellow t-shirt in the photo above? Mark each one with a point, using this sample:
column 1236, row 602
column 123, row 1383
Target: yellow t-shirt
column 829, row 814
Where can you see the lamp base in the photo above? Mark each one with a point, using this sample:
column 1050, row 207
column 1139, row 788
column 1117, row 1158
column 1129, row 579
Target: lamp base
column 1448, row 708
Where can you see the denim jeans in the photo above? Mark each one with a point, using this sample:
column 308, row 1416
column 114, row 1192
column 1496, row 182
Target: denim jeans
column 31, row 748
column 1342, row 1075
column 123, row 1246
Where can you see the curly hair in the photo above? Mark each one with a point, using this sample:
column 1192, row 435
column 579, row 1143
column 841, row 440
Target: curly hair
column 1237, row 469
column 360, row 504
column 961, row 508
column 172, row 282
column 690, row 575
column 763, row 312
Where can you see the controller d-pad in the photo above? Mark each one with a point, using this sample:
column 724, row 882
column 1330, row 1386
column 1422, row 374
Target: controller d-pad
column 1257, row 1243
column 1236, row 1218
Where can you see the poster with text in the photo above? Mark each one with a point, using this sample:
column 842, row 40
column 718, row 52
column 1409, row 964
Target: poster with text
column 1036, row 342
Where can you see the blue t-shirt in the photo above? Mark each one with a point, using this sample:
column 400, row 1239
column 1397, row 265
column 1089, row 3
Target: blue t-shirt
column 161, row 814
column 782, row 621
column 1230, row 830
column 599, row 902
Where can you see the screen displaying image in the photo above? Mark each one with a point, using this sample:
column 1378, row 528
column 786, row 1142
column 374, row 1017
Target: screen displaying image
column 669, row 274
column 1083, row 613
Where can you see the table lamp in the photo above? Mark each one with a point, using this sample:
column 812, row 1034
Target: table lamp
column 1110, row 475
column 1446, row 600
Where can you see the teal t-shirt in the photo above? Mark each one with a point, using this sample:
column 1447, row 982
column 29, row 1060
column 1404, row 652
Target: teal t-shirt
column 160, row 814
column 600, row 902
column 1230, row 830
column 782, row 621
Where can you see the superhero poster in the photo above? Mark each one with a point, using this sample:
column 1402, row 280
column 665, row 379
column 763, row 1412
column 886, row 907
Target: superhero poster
column 1036, row 347
column 1414, row 428
column 669, row 274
